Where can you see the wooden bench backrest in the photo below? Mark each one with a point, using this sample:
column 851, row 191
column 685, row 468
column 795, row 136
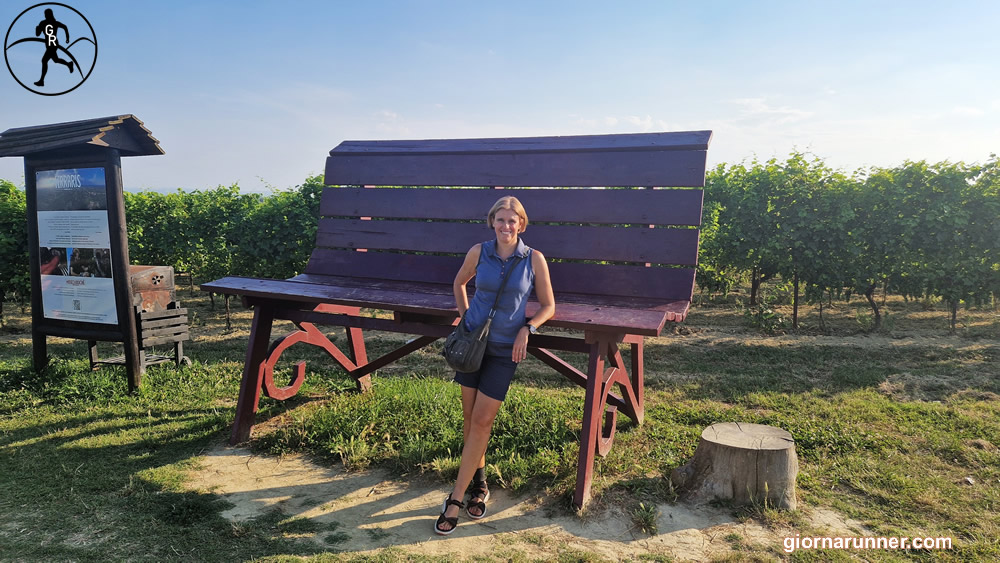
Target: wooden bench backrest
column 636, row 241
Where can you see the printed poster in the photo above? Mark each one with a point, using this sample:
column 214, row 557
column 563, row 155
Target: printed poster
column 74, row 239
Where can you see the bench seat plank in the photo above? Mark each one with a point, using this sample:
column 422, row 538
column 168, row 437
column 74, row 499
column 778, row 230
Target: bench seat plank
column 580, row 298
column 574, row 311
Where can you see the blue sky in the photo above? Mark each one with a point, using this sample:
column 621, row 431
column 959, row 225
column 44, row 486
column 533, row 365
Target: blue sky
column 258, row 92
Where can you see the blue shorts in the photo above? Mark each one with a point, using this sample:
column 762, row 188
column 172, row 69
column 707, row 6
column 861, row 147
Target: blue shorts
column 494, row 375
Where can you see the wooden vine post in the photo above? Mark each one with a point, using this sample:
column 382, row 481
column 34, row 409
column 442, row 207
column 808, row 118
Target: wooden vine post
column 743, row 463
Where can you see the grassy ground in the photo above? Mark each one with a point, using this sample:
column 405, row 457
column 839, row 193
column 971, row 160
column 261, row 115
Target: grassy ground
column 898, row 430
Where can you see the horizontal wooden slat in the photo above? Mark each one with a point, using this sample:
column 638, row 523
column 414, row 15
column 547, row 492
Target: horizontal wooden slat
column 150, row 315
column 675, row 140
column 572, row 314
column 645, row 168
column 164, row 322
column 567, row 277
column 164, row 332
column 635, row 244
column 625, row 281
column 165, row 340
column 602, row 206
column 645, row 159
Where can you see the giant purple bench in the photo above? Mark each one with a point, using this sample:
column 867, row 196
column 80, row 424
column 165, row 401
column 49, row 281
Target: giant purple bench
column 621, row 260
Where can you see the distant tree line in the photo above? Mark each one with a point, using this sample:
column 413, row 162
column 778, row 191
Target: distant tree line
column 919, row 230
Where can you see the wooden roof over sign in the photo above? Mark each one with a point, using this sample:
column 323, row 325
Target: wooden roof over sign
column 123, row 132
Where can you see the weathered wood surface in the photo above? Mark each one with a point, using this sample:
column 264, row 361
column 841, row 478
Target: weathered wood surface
column 743, row 463
column 163, row 327
column 620, row 206
column 567, row 277
column 674, row 140
column 124, row 133
column 612, row 300
column 635, row 244
column 167, row 326
column 664, row 159
column 580, row 312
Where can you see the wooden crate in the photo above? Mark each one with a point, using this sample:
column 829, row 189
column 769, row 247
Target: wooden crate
column 160, row 319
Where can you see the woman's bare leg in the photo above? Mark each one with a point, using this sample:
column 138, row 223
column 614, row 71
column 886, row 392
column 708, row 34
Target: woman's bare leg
column 479, row 423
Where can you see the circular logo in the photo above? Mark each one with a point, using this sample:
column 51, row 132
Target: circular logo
column 54, row 43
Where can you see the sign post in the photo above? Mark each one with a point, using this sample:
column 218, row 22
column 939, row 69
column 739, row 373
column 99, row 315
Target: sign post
column 77, row 240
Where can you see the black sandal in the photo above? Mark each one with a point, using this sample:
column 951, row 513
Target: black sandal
column 445, row 520
column 479, row 490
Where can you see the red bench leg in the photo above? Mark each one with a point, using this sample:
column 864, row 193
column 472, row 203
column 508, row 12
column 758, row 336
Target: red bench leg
column 638, row 383
column 246, row 406
column 606, row 369
column 591, row 420
column 356, row 343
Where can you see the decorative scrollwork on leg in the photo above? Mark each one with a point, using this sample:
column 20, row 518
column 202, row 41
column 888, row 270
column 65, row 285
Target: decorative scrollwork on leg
column 607, row 436
column 267, row 367
column 612, row 376
column 308, row 334
column 631, row 389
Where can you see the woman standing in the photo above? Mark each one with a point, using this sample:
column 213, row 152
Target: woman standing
column 484, row 391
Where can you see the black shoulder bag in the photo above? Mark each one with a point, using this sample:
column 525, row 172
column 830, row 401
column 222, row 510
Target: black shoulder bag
column 464, row 348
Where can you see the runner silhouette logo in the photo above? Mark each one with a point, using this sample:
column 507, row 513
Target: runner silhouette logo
column 33, row 42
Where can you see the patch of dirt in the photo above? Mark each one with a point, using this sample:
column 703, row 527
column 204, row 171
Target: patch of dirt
column 364, row 512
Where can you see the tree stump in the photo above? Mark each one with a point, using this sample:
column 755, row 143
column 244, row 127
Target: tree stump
column 745, row 463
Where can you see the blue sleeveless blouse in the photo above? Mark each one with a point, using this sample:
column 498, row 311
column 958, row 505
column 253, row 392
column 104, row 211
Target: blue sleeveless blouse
column 510, row 315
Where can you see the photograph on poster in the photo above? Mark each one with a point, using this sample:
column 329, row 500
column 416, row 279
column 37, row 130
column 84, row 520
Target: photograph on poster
column 75, row 245
column 81, row 262
column 78, row 189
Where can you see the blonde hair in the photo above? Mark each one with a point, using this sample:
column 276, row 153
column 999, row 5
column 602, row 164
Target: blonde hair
column 512, row 203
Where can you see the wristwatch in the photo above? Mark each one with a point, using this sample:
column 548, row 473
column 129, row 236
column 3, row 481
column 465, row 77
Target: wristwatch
column 532, row 329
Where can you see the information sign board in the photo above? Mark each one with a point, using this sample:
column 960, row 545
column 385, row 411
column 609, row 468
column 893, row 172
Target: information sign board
column 75, row 245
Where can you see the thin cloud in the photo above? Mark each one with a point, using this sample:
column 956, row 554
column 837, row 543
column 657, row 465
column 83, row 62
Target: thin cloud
column 966, row 111
column 627, row 123
column 390, row 122
column 758, row 107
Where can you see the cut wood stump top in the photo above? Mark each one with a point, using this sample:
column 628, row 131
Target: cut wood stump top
column 748, row 436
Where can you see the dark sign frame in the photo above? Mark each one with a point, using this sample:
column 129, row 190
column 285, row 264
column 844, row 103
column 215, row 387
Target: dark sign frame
column 125, row 329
